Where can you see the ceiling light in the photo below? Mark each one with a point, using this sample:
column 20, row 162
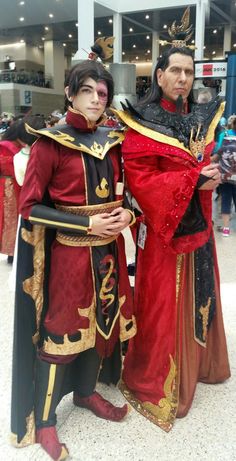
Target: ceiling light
column 64, row 44
column 99, row 32
column 46, row 28
column 110, row 21
column 137, row 57
column 147, row 37
column 204, row 47
column 134, row 46
column 215, row 31
column 131, row 29
column 21, row 19
column 123, row 52
column 234, row 45
column 147, row 16
column 213, row 52
column 51, row 15
column 165, row 26
column 76, row 24
column 193, row 41
column 21, row 3
column 70, row 35
column 22, row 41
column 148, row 51
column 43, row 38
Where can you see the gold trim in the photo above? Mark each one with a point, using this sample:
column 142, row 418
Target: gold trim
column 33, row 286
column 51, row 382
column 102, row 191
column 162, row 414
column 57, row 223
column 83, row 241
column 204, row 311
column 127, row 119
column 87, row 341
column 29, row 438
column 90, row 210
column 211, row 130
column 149, row 132
column 180, row 258
column 121, row 302
column 124, row 334
column 66, row 140
column 133, row 217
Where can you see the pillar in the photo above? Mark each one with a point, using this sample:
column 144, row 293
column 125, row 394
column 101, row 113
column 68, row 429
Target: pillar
column 54, row 64
column 85, row 30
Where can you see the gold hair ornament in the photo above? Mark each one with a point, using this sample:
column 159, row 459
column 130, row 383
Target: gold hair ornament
column 180, row 34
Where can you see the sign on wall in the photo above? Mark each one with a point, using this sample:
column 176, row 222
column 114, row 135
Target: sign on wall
column 210, row 69
column 25, row 97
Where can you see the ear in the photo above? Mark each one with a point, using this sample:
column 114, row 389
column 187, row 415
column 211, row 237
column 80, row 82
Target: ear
column 159, row 76
column 67, row 93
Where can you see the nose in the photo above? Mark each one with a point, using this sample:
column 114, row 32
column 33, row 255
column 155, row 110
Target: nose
column 183, row 76
column 95, row 97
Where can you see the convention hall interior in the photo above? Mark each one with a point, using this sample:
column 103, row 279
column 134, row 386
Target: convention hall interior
column 39, row 42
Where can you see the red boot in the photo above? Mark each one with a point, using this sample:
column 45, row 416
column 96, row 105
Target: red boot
column 101, row 407
column 47, row 437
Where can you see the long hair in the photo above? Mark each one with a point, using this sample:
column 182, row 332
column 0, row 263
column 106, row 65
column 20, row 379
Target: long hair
column 155, row 92
column 17, row 129
column 89, row 69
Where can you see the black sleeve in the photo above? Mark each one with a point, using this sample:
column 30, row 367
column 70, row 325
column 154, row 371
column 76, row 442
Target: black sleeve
column 66, row 222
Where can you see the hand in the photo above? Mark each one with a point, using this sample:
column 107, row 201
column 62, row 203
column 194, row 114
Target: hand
column 212, row 172
column 108, row 224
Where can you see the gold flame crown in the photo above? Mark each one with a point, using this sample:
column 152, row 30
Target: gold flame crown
column 181, row 33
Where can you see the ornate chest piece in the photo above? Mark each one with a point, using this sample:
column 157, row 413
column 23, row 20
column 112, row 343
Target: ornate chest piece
column 197, row 144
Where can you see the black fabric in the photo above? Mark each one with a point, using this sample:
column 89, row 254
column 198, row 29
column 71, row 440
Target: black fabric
column 205, row 297
column 56, row 218
column 193, row 220
column 173, row 124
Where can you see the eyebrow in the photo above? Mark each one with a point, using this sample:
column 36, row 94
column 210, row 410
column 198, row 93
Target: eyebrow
column 87, row 86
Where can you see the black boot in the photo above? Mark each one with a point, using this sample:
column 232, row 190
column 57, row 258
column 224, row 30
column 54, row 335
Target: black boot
column 49, row 379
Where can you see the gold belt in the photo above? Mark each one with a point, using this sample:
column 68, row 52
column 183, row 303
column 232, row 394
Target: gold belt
column 90, row 210
column 86, row 210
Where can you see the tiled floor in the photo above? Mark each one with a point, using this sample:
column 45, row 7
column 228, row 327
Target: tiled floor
column 207, row 433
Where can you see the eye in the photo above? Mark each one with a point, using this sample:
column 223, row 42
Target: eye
column 86, row 90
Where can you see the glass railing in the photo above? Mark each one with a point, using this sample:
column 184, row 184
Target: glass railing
column 26, row 78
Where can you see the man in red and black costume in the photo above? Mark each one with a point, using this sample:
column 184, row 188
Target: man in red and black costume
column 180, row 338
column 73, row 299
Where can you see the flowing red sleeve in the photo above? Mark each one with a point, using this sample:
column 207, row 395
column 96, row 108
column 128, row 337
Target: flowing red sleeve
column 164, row 196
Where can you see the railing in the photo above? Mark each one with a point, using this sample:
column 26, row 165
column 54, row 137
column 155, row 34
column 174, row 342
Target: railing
column 26, row 78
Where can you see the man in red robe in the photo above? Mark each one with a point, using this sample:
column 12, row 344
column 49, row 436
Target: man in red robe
column 180, row 338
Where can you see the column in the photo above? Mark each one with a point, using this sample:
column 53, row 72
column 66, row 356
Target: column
column 155, row 49
column 54, row 64
column 117, row 32
column 201, row 7
column 227, row 38
column 85, row 29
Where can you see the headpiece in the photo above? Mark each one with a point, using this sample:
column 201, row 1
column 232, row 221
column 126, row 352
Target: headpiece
column 180, row 34
column 102, row 49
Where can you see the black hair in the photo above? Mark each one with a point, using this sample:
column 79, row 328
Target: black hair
column 17, row 129
column 155, row 92
column 89, row 69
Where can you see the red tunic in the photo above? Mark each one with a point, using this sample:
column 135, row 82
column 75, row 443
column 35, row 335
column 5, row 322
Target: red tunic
column 165, row 359
column 73, row 288
column 9, row 197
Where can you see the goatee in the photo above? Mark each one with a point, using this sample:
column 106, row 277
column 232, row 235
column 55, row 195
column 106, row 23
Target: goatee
column 179, row 104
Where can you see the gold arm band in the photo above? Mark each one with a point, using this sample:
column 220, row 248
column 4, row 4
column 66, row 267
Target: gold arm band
column 133, row 218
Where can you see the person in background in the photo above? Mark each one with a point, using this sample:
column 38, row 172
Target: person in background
column 180, row 337
column 225, row 154
column 204, row 96
column 73, row 299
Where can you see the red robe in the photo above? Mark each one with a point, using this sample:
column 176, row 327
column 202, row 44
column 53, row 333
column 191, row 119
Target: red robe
column 166, row 358
column 9, row 197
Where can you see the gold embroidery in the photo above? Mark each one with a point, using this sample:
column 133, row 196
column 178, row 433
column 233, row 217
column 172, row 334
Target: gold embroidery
column 197, row 146
column 83, row 241
column 33, row 286
column 102, row 191
column 51, row 382
column 124, row 333
column 179, row 263
column 87, row 340
column 105, row 288
column 90, row 210
column 204, row 310
column 10, row 216
column 164, row 413
column 29, row 438
column 211, row 130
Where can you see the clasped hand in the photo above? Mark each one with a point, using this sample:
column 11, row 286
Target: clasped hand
column 108, row 224
column 212, row 172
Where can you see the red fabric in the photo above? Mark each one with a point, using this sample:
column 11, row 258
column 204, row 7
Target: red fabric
column 9, row 197
column 162, row 179
column 101, row 407
column 71, row 283
column 48, row 439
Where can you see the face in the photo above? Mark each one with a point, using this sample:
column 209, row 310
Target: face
column 91, row 99
column 177, row 78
